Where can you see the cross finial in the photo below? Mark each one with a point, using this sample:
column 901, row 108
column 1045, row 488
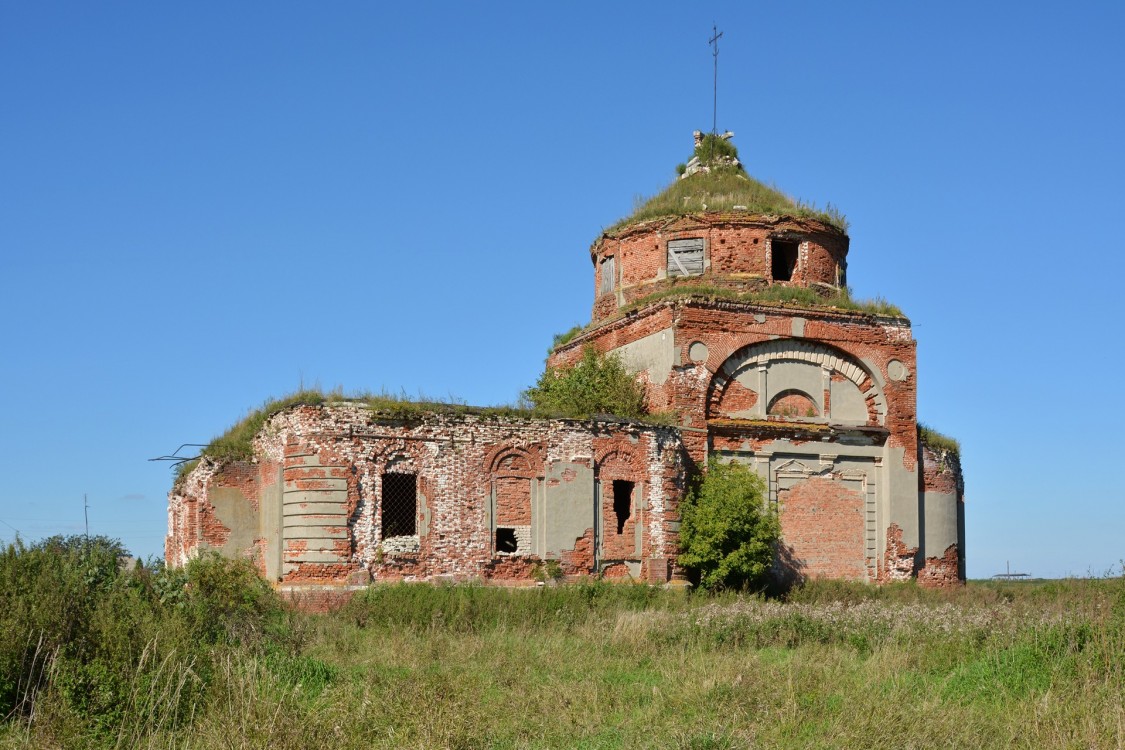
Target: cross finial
column 714, row 42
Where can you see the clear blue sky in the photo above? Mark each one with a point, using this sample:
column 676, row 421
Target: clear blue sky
column 206, row 204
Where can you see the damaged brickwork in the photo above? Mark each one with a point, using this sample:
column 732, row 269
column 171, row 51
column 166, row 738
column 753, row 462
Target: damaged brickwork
column 820, row 401
column 473, row 498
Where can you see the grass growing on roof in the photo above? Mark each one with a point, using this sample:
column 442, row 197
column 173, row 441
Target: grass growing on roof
column 938, row 442
column 774, row 295
column 236, row 443
column 565, row 337
column 722, row 188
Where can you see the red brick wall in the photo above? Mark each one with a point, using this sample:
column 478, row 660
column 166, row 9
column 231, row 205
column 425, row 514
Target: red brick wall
column 513, row 501
column 822, row 528
column 733, row 398
column 458, row 461
column 736, row 251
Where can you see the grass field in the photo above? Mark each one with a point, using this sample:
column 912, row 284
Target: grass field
column 208, row 659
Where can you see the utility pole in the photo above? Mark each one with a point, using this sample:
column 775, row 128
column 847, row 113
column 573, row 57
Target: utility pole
column 86, row 512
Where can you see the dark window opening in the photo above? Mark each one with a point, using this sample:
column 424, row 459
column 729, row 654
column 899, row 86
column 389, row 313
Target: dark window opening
column 400, row 505
column 784, row 255
column 506, row 540
column 622, row 502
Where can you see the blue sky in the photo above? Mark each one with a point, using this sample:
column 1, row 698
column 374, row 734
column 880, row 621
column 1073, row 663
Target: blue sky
column 204, row 205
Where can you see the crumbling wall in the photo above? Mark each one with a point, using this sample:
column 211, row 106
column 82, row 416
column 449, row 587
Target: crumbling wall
column 736, row 255
column 493, row 496
column 868, row 383
column 942, row 496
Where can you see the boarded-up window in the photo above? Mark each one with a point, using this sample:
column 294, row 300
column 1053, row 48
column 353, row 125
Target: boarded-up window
column 685, row 257
column 607, row 280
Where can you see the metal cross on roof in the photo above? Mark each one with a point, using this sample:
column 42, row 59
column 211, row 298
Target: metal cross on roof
column 714, row 42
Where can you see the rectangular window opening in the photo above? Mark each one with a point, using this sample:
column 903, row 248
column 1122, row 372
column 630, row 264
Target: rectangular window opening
column 506, row 540
column 685, row 257
column 784, row 259
column 400, row 505
column 622, row 502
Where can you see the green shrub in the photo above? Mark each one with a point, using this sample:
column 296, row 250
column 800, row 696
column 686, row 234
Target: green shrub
column 49, row 592
column 227, row 601
column 728, row 537
column 597, row 384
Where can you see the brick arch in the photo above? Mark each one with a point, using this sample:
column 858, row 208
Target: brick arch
column 514, row 461
column 725, row 386
column 792, row 400
column 617, row 463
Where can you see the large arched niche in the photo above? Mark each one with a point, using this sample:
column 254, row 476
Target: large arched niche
column 830, row 385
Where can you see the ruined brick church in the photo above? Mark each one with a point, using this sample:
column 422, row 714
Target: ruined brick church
column 728, row 301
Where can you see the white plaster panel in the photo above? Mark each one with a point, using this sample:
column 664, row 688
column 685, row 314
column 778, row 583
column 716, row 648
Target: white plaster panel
column 848, row 404
column 654, row 354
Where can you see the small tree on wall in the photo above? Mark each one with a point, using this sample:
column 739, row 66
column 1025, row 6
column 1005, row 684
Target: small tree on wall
column 597, row 384
column 727, row 536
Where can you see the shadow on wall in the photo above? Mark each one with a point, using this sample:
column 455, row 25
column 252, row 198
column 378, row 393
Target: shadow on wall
column 787, row 569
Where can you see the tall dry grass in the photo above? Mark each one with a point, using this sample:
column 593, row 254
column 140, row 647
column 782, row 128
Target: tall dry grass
column 219, row 663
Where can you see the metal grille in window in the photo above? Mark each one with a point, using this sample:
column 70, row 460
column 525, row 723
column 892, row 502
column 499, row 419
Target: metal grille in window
column 400, row 505
column 685, row 257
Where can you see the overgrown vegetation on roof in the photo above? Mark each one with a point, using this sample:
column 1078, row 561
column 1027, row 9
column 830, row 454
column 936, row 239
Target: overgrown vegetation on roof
column 236, row 443
column 566, row 337
column 777, row 296
column 597, row 384
column 938, row 442
column 714, row 150
column 583, row 392
column 722, row 188
column 781, row 296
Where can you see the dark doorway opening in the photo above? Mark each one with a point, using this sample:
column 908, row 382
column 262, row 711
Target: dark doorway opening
column 622, row 502
column 784, row 259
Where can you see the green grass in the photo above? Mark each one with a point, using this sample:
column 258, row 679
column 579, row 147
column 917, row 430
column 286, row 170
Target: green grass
column 773, row 295
column 236, row 442
column 561, row 339
column 782, row 296
column 720, row 190
column 594, row 666
column 938, row 442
